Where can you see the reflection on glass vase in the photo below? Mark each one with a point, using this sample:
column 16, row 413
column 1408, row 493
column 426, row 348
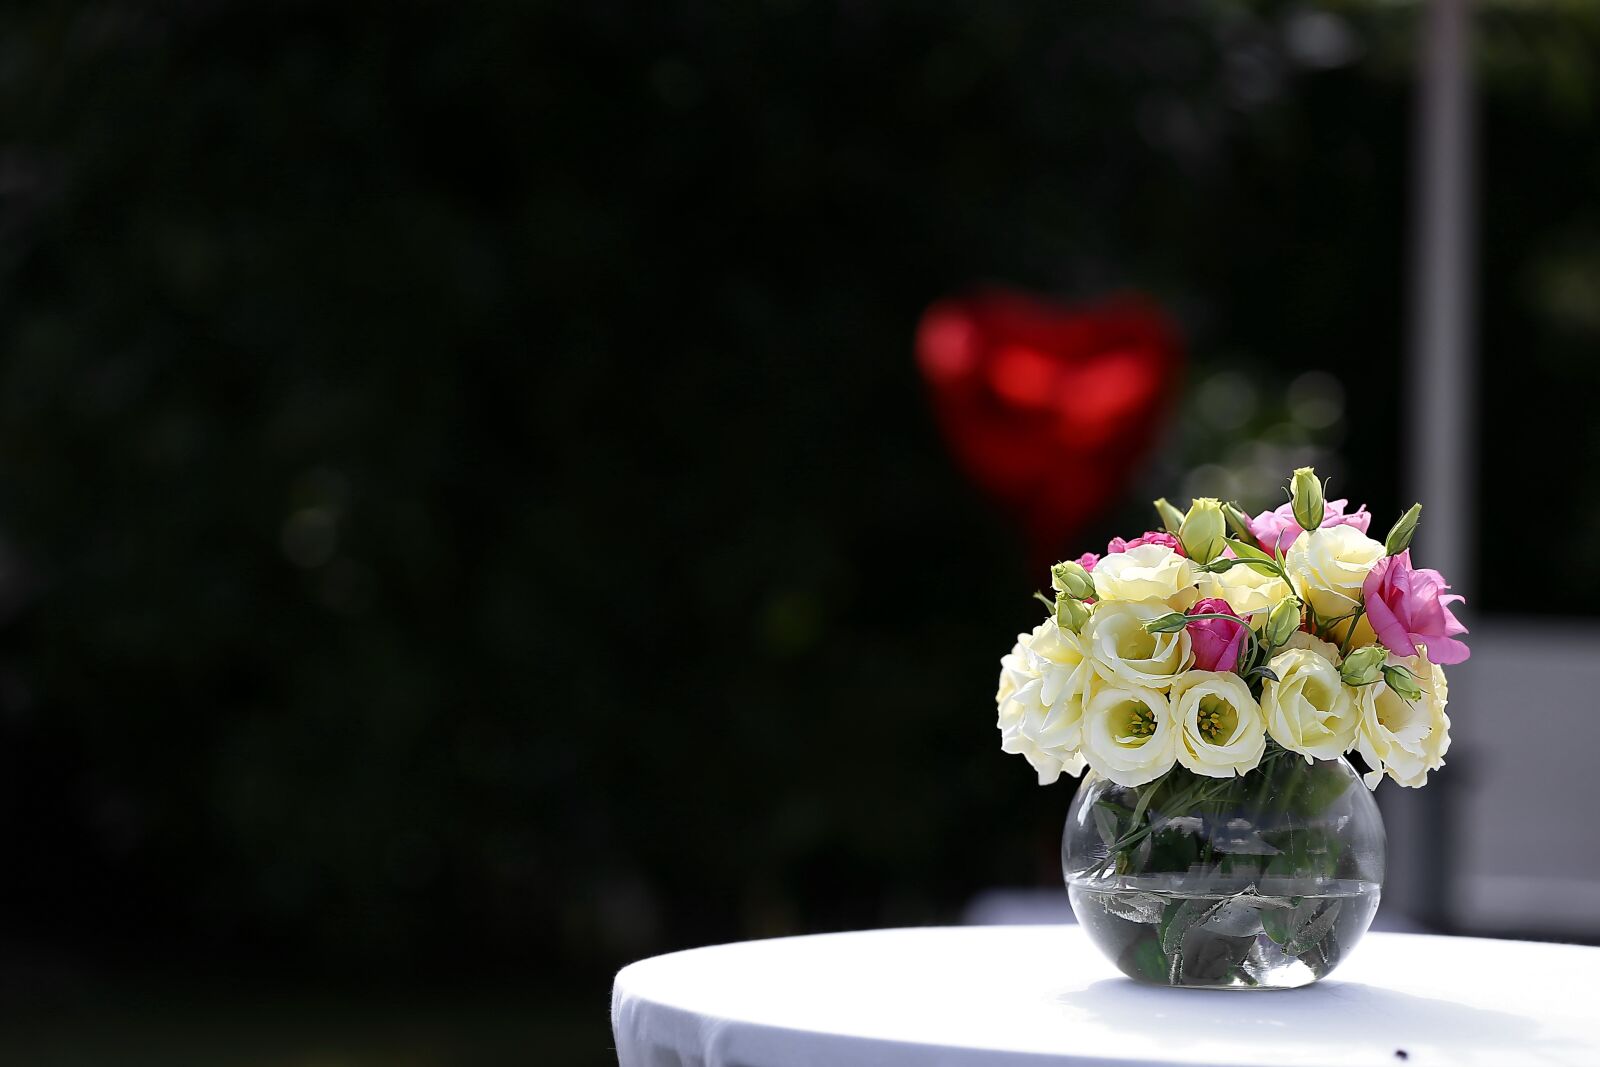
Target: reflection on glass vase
column 1263, row 881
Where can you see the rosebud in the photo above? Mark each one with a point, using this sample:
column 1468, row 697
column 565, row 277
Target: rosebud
column 1403, row 682
column 1171, row 517
column 1363, row 666
column 1070, row 613
column 1306, row 493
column 1283, row 621
column 1070, row 578
column 1203, row 530
column 1169, row 623
column 1239, row 523
column 1399, row 538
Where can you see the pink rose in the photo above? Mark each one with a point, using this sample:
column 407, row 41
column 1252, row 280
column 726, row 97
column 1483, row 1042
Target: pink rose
column 1278, row 529
column 1216, row 642
column 1406, row 609
column 1087, row 561
column 1150, row 537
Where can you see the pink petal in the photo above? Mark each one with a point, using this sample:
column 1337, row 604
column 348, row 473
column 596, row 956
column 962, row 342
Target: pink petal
column 1446, row 650
column 1389, row 629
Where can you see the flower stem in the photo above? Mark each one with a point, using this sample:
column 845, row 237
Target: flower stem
column 1344, row 646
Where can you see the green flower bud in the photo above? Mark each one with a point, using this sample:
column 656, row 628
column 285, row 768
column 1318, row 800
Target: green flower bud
column 1070, row 578
column 1203, row 531
column 1169, row 623
column 1239, row 523
column 1399, row 538
column 1403, row 682
column 1363, row 666
column 1306, row 493
column 1070, row 613
column 1171, row 517
column 1283, row 621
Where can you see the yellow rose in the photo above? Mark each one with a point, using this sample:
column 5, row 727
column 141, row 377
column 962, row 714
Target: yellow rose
column 1124, row 654
column 1129, row 734
column 1406, row 740
column 1146, row 572
column 1043, row 682
column 1247, row 591
column 1223, row 730
column 1309, row 709
column 1312, row 643
column 1328, row 566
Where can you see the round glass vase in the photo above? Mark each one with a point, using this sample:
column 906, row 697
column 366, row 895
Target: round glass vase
column 1260, row 881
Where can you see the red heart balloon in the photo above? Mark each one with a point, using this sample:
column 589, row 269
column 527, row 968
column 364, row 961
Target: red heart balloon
column 1049, row 409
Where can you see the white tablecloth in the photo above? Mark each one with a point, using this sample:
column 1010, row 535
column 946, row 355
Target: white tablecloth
column 1043, row 994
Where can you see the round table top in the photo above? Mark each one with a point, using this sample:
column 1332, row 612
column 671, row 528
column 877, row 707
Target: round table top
column 1035, row 994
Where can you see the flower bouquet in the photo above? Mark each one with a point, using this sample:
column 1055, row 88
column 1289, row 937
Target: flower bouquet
column 1214, row 676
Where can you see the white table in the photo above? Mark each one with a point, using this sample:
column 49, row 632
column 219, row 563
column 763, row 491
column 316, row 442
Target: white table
column 1042, row 994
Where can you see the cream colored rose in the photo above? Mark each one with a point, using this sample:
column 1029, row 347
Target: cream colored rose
column 1124, row 654
column 1048, row 763
column 1327, row 567
column 1248, row 592
column 1043, row 682
column 1313, row 643
column 1406, row 740
column 1147, row 572
column 1223, row 730
column 1129, row 734
column 1014, row 673
column 1309, row 709
column 1364, row 635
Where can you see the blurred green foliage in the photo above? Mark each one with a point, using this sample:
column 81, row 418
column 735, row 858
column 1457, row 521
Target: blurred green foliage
column 466, row 497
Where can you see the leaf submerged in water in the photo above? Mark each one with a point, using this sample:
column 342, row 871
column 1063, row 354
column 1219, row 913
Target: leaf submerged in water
column 1187, row 914
column 1135, row 907
column 1257, row 899
column 1315, row 930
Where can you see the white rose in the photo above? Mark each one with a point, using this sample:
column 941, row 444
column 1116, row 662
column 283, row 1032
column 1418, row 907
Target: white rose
column 1309, row 709
column 1146, row 572
column 1247, row 591
column 1328, row 566
column 1405, row 740
column 1129, row 734
column 1124, row 654
column 1040, row 699
column 1223, row 730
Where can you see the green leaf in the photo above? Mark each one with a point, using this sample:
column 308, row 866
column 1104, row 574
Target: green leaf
column 1281, row 924
column 1248, row 552
column 1320, row 786
column 1173, row 850
column 1143, row 803
column 1178, row 922
column 1147, row 960
column 1209, row 956
column 1326, row 952
column 1236, row 916
column 1315, row 930
column 1105, row 823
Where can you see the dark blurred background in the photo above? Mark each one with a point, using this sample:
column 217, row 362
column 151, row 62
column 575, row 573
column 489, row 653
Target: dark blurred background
column 470, row 514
